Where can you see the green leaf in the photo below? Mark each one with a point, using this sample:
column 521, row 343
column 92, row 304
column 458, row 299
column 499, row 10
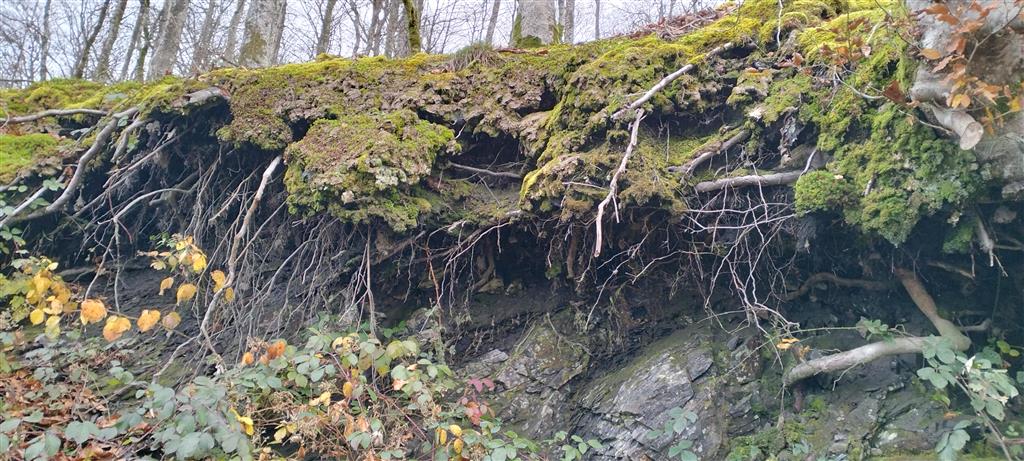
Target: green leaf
column 10, row 424
column 80, row 431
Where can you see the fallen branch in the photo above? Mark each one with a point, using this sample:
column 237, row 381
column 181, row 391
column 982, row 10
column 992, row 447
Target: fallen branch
column 613, row 186
column 773, row 179
column 828, row 277
column 867, row 353
column 668, row 79
column 719, row 147
column 54, row 113
column 503, row 174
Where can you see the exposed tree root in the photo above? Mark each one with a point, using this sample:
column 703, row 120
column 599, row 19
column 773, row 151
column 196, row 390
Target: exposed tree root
column 877, row 350
column 503, row 174
column 53, row 113
column 668, row 79
column 828, row 277
column 613, row 186
column 708, row 154
column 773, row 179
column 83, row 162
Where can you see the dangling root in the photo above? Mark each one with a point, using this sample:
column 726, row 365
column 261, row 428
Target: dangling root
column 877, row 350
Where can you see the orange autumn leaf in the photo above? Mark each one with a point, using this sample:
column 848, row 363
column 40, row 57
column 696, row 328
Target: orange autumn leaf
column 115, row 327
column 248, row 359
column 148, row 319
column 276, row 349
column 93, row 311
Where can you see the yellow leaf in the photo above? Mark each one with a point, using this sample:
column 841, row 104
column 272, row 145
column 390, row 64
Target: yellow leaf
column 53, row 326
column 442, row 436
column 171, row 321
column 198, row 262
column 930, row 53
column 158, row 265
column 218, row 280
column 185, row 292
column 246, row 421
column 457, row 446
column 147, row 319
column 37, row 316
column 346, row 389
column 115, row 327
column 41, row 283
column 280, row 434
column 229, row 294
column 455, row 430
column 959, row 101
column 786, row 343
column 166, row 284
column 54, row 306
column 92, row 311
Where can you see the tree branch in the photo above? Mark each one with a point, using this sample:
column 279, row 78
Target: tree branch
column 773, row 179
column 719, row 147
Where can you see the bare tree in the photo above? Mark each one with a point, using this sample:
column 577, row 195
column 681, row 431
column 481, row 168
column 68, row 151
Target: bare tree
column 568, row 21
column 262, row 33
column 204, row 44
column 493, row 22
column 44, row 48
column 83, row 55
column 536, row 23
column 323, row 39
column 597, row 19
column 231, row 44
column 102, row 72
column 412, row 17
column 169, row 38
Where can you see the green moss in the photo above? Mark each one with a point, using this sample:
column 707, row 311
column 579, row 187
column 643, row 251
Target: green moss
column 18, row 152
column 960, row 237
column 908, row 171
column 821, row 190
column 360, row 166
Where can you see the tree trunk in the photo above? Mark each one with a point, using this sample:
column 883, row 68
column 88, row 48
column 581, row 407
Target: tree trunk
column 134, row 41
column 169, row 39
column 103, row 63
column 231, row 43
column 201, row 55
column 412, row 17
column 535, row 24
column 493, row 22
column 44, row 47
column 569, row 22
column 373, row 35
column 262, row 33
column 597, row 19
column 90, row 40
column 147, row 41
column 323, row 41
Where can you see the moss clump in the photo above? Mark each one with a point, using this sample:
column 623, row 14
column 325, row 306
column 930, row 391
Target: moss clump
column 18, row 152
column 360, row 166
column 821, row 190
column 960, row 238
column 64, row 94
column 908, row 171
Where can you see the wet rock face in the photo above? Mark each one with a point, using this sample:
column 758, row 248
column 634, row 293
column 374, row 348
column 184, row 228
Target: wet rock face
column 623, row 407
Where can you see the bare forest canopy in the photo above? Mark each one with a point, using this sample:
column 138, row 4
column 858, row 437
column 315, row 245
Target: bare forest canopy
column 116, row 40
column 745, row 156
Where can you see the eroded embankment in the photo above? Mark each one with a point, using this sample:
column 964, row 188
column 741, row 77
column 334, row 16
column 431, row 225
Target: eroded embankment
column 465, row 193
